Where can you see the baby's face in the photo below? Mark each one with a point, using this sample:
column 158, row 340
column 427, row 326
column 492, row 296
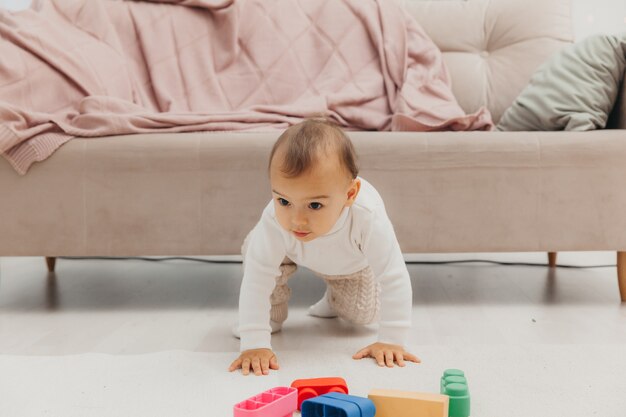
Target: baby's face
column 309, row 205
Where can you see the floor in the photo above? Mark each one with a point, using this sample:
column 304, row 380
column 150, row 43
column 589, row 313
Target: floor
column 139, row 338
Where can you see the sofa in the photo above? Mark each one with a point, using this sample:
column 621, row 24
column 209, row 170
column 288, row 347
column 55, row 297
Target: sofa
column 446, row 192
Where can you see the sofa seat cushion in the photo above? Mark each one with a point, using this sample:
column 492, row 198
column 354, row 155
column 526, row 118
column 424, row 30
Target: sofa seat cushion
column 201, row 193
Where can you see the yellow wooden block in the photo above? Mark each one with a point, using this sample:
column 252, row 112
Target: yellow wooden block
column 393, row 403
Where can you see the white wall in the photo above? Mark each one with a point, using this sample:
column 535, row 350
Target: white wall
column 598, row 16
column 589, row 16
column 14, row 4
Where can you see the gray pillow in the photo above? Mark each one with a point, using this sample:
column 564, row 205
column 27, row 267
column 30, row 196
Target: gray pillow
column 574, row 90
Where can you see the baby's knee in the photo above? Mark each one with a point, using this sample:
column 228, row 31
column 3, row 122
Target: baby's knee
column 354, row 312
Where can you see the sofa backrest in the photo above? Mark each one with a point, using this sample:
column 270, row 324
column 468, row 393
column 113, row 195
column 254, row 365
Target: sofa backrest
column 492, row 47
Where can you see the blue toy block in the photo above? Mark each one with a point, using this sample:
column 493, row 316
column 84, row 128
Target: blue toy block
column 338, row 405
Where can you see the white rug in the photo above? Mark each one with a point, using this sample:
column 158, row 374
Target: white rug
column 507, row 381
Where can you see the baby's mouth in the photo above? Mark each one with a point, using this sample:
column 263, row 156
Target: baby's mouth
column 299, row 233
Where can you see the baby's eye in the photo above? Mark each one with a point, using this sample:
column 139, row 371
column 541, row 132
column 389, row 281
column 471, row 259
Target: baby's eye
column 283, row 202
column 315, row 206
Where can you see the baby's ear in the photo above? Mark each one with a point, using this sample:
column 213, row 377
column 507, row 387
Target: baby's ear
column 353, row 191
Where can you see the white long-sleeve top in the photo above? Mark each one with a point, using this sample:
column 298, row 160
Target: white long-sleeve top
column 363, row 235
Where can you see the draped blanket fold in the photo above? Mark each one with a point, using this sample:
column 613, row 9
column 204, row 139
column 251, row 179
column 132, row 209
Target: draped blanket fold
column 90, row 68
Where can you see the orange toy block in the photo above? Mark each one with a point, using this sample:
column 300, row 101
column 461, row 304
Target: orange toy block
column 313, row 387
column 392, row 403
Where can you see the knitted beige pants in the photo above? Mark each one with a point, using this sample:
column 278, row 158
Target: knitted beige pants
column 354, row 297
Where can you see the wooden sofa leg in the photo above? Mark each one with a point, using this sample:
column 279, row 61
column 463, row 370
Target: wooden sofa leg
column 621, row 274
column 51, row 262
column 552, row 259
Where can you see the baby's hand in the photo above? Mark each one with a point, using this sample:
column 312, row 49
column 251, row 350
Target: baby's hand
column 260, row 360
column 386, row 354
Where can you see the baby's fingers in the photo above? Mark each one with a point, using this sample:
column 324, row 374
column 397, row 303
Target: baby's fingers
column 389, row 358
column 361, row 354
column 265, row 366
column 379, row 356
column 245, row 366
column 274, row 363
column 256, row 366
column 411, row 357
column 400, row 359
column 235, row 365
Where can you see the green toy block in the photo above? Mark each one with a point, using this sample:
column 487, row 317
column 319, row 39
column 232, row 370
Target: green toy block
column 450, row 373
column 454, row 385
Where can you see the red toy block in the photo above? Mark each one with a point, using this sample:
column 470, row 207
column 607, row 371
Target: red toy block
column 313, row 387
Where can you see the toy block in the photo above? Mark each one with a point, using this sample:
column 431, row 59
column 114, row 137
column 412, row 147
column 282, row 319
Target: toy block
column 450, row 373
column 335, row 404
column 393, row 403
column 313, row 387
column 454, row 385
column 275, row 402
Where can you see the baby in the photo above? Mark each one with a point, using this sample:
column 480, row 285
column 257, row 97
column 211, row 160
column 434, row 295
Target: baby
column 326, row 218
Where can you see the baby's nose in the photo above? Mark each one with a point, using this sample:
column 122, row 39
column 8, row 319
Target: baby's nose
column 299, row 219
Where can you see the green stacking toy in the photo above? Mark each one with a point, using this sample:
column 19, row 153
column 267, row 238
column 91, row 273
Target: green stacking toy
column 454, row 385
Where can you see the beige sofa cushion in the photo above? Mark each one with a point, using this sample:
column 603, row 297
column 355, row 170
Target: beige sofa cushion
column 201, row 193
column 492, row 47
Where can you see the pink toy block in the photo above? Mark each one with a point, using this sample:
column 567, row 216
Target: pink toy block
column 275, row 402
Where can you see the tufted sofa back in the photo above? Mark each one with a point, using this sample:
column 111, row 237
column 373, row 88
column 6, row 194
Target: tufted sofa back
column 492, row 47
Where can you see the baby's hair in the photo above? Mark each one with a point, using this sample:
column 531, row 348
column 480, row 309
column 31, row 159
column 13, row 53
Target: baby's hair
column 305, row 142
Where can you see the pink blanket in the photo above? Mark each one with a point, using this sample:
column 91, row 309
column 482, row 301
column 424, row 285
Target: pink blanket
column 92, row 68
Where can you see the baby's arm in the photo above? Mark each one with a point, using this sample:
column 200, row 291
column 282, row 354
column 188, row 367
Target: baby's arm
column 384, row 256
column 259, row 360
column 264, row 253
